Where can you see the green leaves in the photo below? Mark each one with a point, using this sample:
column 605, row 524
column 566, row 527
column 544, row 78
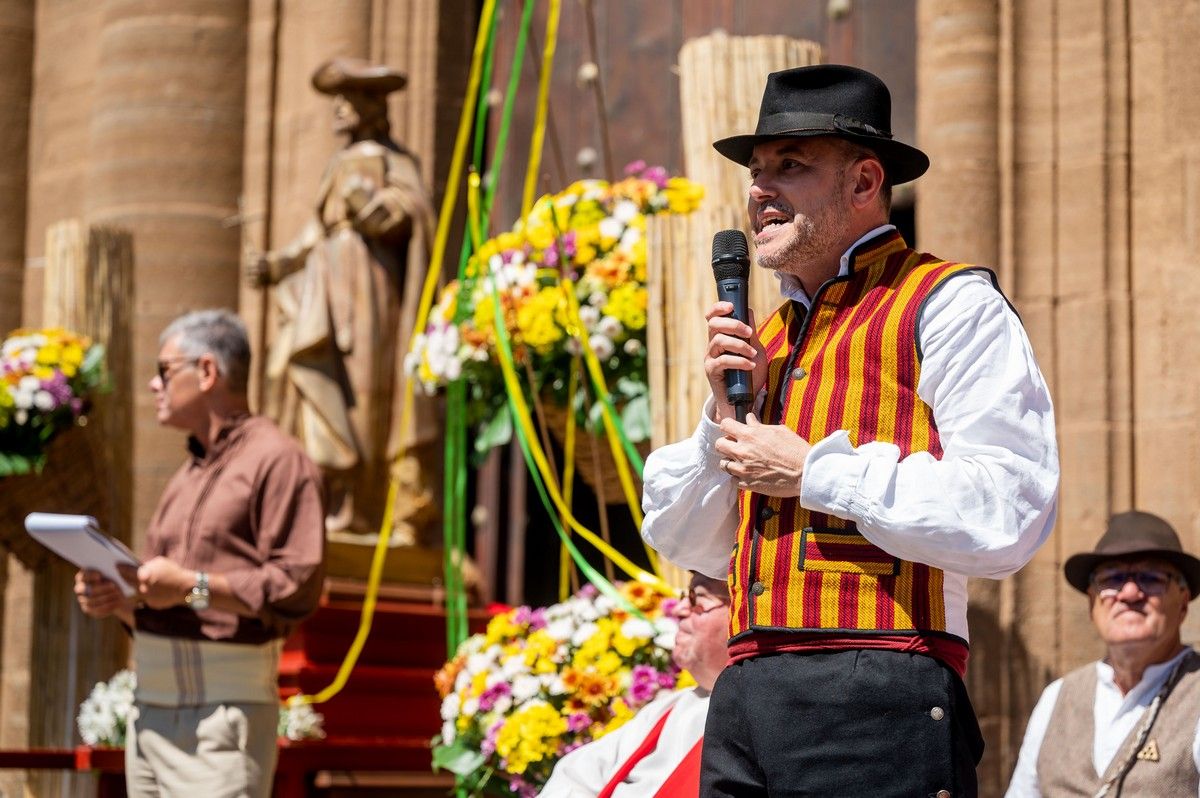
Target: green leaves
column 457, row 758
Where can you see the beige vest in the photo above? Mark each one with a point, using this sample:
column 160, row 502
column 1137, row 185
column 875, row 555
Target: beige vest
column 1164, row 765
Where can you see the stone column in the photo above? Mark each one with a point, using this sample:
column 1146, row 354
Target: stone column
column 166, row 164
column 16, row 75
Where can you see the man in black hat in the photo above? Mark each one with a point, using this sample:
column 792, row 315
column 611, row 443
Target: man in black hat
column 1130, row 723
column 901, row 441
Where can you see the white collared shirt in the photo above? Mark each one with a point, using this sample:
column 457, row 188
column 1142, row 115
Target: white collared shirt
column 1115, row 717
column 982, row 510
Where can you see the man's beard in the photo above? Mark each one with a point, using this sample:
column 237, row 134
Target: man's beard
column 810, row 239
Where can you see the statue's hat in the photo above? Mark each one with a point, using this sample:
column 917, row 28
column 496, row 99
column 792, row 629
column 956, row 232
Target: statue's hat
column 355, row 74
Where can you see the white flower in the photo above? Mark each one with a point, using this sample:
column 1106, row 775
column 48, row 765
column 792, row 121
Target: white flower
column 513, row 667
column 589, row 315
column 626, row 211
column 633, row 346
column 22, row 399
column 299, row 721
column 470, row 706
column 602, row 345
column 611, row 228
column 21, row 416
column 29, row 384
column 584, row 633
column 448, row 732
column 560, row 629
column 631, row 236
column 597, row 299
column 450, row 706
column 634, row 628
column 610, row 327
column 503, row 704
column 103, row 714
column 43, row 401
column 525, row 687
column 666, row 638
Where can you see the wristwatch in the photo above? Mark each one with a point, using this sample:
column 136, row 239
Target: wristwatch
column 198, row 598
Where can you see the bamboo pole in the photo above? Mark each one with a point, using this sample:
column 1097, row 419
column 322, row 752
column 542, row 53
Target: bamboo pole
column 721, row 81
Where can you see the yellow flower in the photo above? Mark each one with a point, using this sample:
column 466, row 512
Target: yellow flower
column 683, row 196
column 479, row 683
column 627, row 303
column 685, row 680
column 609, row 662
column 501, row 627
column 621, row 715
column 539, row 320
column 530, row 735
column 540, row 648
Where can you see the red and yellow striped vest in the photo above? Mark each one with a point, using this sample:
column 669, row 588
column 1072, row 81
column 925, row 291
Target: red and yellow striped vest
column 852, row 364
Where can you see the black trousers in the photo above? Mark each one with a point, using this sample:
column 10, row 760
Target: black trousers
column 846, row 723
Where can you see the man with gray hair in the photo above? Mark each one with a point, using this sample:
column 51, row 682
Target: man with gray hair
column 231, row 563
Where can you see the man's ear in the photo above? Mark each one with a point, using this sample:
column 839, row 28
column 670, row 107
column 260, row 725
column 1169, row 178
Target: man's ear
column 209, row 372
column 868, row 181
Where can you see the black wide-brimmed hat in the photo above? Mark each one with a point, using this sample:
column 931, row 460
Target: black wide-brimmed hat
column 829, row 100
column 1130, row 535
column 355, row 74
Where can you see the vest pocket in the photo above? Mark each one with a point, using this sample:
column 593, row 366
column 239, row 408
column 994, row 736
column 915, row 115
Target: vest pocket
column 843, row 550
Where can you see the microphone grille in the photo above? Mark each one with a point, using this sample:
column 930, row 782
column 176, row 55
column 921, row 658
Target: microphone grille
column 730, row 254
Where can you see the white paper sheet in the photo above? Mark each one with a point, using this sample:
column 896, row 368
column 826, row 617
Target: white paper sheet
column 78, row 539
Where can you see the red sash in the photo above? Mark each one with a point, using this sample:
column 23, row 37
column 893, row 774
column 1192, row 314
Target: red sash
column 684, row 781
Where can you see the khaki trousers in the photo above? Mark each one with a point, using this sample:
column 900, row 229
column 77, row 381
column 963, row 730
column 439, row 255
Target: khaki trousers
column 212, row 750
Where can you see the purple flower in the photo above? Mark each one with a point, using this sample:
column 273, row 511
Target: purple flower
column 643, row 683
column 588, row 591
column 578, row 721
column 569, row 747
column 656, row 175
column 550, row 256
column 488, row 746
column 521, row 789
column 493, row 694
column 522, row 615
column 537, row 618
column 668, row 607
column 667, row 679
column 634, row 168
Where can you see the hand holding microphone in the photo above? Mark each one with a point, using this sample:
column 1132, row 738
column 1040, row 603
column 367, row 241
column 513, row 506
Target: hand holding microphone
column 734, row 355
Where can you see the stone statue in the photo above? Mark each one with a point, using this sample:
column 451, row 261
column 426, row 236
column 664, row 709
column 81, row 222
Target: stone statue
column 346, row 291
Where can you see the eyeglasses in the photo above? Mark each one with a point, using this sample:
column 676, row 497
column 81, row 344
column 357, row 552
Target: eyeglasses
column 1110, row 581
column 699, row 603
column 167, row 370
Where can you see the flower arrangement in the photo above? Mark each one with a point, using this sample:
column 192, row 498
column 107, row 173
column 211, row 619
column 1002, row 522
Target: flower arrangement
column 46, row 377
column 540, row 683
column 593, row 234
column 104, row 713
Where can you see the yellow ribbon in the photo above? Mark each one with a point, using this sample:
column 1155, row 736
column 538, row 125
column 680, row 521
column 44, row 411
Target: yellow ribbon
column 543, row 105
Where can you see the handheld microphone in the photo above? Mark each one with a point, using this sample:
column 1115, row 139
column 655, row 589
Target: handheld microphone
column 731, row 268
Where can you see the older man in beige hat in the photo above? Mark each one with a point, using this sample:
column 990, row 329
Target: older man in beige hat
column 1130, row 723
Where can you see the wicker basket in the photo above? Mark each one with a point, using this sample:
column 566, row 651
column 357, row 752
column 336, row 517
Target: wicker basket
column 590, row 450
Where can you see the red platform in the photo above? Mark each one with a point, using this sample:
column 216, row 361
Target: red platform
column 389, row 700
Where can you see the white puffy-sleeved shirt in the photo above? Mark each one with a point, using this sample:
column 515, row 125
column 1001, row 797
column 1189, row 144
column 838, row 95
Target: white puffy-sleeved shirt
column 982, row 510
column 585, row 771
column 1115, row 717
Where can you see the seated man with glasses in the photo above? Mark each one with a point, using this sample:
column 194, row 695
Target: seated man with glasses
column 1130, row 723
column 657, row 753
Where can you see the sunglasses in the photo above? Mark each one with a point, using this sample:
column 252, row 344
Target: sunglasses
column 1152, row 582
column 699, row 603
column 167, row 370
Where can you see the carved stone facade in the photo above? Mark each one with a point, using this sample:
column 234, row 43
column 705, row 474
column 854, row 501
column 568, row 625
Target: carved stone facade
column 1058, row 136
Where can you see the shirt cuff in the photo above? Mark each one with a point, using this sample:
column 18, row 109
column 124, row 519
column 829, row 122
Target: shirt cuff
column 839, row 479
